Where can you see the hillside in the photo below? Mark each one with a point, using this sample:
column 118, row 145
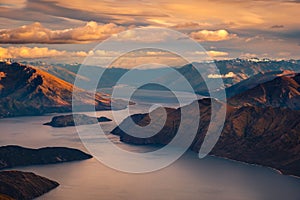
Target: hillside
column 23, row 185
column 283, row 91
column 254, row 81
column 25, row 90
column 265, row 136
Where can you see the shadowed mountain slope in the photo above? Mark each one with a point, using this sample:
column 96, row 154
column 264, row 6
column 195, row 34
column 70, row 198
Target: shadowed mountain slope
column 261, row 135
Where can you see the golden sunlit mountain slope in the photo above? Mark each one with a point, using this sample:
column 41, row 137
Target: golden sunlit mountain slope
column 25, row 90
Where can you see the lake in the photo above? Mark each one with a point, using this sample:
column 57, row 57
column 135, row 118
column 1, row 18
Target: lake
column 188, row 178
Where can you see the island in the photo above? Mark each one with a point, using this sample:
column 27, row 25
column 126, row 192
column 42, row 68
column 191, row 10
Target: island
column 80, row 119
column 13, row 156
column 23, row 185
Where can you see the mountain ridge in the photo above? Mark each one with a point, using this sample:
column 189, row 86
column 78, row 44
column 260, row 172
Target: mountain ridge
column 265, row 136
column 25, row 90
column 283, row 91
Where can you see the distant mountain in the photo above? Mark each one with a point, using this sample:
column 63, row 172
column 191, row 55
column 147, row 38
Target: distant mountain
column 246, row 68
column 254, row 81
column 265, row 136
column 236, row 70
column 23, row 185
column 25, row 90
column 69, row 73
column 13, row 156
column 283, row 91
column 108, row 79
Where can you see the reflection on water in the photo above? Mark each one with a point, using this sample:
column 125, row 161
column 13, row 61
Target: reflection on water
column 188, row 178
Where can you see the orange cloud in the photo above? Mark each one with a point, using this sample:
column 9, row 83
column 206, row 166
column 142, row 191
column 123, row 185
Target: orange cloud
column 218, row 35
column 36, row 52
column 190, row 25
column 13, row 3
column 217, row 53
column 144, row 35
column 36, row 33
column 213, row 53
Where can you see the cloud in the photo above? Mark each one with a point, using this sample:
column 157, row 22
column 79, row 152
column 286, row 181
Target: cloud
column 257, row 37
column 158, row 53
column 213, row 36
column 13, row 3
column 190, row 25
column 217, row 53
column 104, row 53
column 97, row 57
column 212, row 53
column 37, row 33
column 36, row 52
column 26, row 52
column 228, row 75
column 127, row 13
column 144, row 35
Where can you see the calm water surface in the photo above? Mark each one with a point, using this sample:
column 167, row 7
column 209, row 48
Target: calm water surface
column 188, row 178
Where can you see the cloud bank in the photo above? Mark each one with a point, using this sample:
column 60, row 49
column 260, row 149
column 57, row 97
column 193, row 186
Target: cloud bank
column 36, row 52
column 37, row 33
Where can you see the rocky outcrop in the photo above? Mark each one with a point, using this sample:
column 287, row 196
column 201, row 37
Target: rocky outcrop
column 23, row 185
column 13, row 156
column 80, row 119
column 260, row 135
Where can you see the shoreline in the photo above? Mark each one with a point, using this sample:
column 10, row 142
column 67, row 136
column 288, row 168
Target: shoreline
column 256, row 165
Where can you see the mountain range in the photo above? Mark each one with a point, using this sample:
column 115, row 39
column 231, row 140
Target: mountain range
column 232, row 72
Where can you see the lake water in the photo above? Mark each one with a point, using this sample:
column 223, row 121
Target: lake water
column 188, row 178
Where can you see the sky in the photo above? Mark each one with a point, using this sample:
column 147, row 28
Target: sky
column 68, row 31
